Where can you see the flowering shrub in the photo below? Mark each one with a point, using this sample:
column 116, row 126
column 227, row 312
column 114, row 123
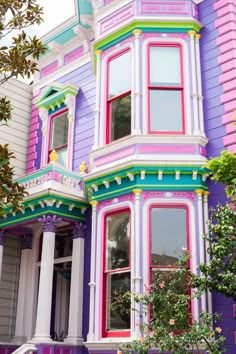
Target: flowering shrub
column 169, row 326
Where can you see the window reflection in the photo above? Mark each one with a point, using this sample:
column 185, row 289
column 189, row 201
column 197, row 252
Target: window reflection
column 169, row 235
column 117, row 271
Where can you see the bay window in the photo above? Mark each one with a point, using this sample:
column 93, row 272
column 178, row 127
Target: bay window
column 119, row 97
column 165, row 89
column 117, row 274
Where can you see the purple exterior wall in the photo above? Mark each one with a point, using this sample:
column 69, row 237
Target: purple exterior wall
column 214, row 110
column 84, row 121
column 84, row 118
column 7, row 348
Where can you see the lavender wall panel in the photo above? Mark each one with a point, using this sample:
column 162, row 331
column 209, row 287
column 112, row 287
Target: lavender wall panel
column 215, row 131
column 84, row 127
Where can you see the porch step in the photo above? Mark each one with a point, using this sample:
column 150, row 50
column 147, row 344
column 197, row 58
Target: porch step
column 25, row 348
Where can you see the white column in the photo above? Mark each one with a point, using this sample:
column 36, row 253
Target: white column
column 206, row 219
column 43, row 318
column 199, row 84
column 137, row 267
column 22, row 298
column 199, row 193
column 196, row 130
column 76, row 292
column 137, row 76
column 98, row 124
column 92, row 283
column 2, row 235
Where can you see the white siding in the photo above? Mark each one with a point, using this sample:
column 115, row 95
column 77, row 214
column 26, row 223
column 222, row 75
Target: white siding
column 8, row 287
column 17, row 132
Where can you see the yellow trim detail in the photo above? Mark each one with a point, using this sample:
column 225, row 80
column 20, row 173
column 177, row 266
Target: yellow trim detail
column 137, row 32
column 98, row 52
column 199, row 191
column 206, row 193
column 137, row 191
column 191, row 33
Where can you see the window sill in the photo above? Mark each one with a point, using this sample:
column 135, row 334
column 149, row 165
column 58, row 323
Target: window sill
column 107, row 343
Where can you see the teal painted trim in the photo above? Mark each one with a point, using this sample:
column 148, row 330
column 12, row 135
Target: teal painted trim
column 145, row 30
column 151, row 181
column 46, row 169
column 154, row 187
column 122, row 173
column 34, row 216
column 146, row 26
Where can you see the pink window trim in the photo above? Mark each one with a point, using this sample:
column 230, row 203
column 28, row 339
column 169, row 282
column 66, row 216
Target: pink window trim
column 109, row 101
column 52, row 116
column 179, row 88
column 113, row 333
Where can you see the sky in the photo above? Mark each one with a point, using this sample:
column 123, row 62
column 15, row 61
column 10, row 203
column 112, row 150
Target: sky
column 55, row 12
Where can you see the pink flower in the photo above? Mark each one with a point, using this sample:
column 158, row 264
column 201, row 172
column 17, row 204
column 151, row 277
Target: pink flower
column 171, row 321
column 151, row 333
column 171, row 334
column 162, row 284
column 218, row 329
column 142, row 340
column 147, row 288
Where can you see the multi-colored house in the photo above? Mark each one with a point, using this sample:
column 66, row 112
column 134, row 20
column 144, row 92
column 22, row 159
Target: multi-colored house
column 131, row 99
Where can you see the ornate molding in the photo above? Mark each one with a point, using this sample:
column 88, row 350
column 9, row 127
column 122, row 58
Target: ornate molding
column 26, row 241
column 2, row 236
column 85, row 35
column 57, row 50
column 49, row 223
column 79, row 230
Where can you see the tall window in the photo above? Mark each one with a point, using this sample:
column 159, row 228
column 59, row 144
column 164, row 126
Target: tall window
column 165, row 90
column 168, row 237
column 59, row 137
column 119, row 97
column 117, row 274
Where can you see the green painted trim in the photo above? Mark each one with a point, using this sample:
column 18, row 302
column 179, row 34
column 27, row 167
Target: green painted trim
column 44, row 170
column 145, row 26
column 47, row 100
column 136, row 169
column 34, row 216
column 167, row 187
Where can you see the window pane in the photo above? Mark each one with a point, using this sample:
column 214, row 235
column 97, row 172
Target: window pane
column 165, row 111
column 62, row 156
column 119, row 75
column 169, row 235
column 165, row 66
column 118, row 311
column 117, row 241
column 120, row 117
column 59, row 131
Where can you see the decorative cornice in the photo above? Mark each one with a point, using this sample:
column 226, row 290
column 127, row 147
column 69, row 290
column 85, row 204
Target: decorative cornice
column 85, row 35
column 54, row 95
column 57, row 50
